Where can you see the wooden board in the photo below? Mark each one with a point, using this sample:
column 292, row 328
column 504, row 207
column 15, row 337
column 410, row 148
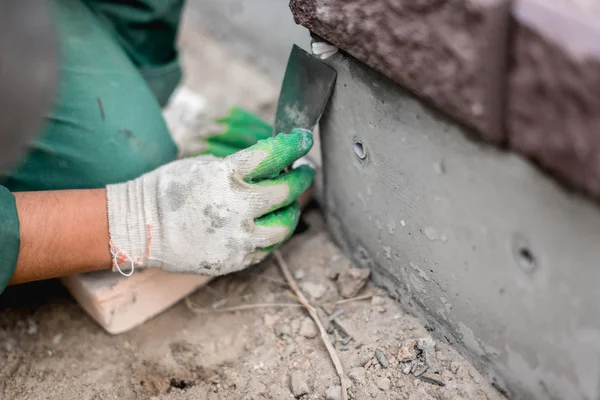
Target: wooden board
column 119, row 304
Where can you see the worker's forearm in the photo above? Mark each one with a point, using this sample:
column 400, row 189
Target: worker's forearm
column 62, row 233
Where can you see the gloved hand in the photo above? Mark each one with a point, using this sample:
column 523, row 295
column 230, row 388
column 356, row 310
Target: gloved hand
column 238, row 130
column 210, row 216
column 197, row 132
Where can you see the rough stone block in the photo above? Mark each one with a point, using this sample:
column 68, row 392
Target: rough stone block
column 553, row 111
column 450, row 52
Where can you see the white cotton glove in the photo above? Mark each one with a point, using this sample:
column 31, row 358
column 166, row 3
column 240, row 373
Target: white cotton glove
column 210, row 216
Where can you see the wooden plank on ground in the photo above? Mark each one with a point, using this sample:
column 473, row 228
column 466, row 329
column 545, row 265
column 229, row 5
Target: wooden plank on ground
column 119, row 304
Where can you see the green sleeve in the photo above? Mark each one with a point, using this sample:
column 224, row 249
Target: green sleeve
column 147, row 32
column 9, row 237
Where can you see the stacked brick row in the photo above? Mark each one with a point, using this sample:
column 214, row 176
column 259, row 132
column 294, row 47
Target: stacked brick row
column 523, row 74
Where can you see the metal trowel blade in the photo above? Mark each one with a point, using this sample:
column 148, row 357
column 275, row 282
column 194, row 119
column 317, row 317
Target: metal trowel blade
column 306, row 88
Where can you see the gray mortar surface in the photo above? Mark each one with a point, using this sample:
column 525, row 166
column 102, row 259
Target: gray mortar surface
column 496, row 257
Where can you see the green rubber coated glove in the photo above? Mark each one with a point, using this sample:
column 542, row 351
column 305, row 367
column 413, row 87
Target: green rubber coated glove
column 238, row 130
column 207, row 215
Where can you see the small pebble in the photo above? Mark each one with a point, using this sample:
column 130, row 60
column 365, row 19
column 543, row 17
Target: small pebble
column 282, row 330
column 407, row 351
column 299, row 274
column 377, row 301
column 332, row 274
column 454, row 367
column 474, row 376
column 406, row 368
column 270, row 320
column 383, row 383
column 364, row 356
column 447, row 376
column 357, row 375
column 419, row 369
column 57, row 339
column 334, row 393
column 373, row 391
column 299, row 384
column 289, row 350
column 314, row 290
column 351, row 281
column 383, row 361
column 427, row 346
column 380, row 309
column 308, row 328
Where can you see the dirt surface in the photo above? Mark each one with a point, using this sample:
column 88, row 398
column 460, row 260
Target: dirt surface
column 50, row 349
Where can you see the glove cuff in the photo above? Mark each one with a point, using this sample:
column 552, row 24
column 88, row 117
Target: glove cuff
column 129, row 230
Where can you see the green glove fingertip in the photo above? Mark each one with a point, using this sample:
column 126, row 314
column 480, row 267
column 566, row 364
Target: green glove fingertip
column 281, row 151
column 288, row 217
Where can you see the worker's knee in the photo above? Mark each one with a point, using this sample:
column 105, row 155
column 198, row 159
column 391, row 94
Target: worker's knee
column 106, row 125
column 77, row 156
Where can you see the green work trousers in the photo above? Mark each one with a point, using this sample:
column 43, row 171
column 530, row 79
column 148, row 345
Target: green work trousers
column 118, row 66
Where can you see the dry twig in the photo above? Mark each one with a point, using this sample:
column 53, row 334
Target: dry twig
column 313, row 314
column 202, row 310
column 357, row 298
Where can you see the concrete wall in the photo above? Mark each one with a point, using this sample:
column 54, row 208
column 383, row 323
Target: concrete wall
column 498, row 258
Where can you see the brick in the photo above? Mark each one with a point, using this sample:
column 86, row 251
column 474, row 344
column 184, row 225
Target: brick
column 451, row 53
column 553, row 102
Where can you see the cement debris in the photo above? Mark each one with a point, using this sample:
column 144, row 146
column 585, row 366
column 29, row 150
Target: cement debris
column 334, row 393
column 377, row 301
column 299, row 384
column 383, row 361
column 308, row 329
column 314, row 290
column 351, row 281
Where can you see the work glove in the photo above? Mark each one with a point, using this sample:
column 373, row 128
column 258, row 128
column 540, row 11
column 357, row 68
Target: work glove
column 207, row 215
column 195, row 130
column 238, row 130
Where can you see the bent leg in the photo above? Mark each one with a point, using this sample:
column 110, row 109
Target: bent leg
column 106, row 125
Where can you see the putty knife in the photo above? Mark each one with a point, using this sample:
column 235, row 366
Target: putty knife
column 306, row 88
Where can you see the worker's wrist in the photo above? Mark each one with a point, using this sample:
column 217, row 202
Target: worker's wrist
column 130, row 224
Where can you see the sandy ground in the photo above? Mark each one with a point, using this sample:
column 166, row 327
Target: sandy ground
column 50, row 349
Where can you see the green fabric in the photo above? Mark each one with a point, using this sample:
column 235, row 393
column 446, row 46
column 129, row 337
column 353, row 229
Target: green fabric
column 106, row 125
column 9, row 237
column 118, row 64
column 146, row 30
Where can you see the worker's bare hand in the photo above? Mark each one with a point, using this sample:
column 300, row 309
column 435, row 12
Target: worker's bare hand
column 211, row 216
